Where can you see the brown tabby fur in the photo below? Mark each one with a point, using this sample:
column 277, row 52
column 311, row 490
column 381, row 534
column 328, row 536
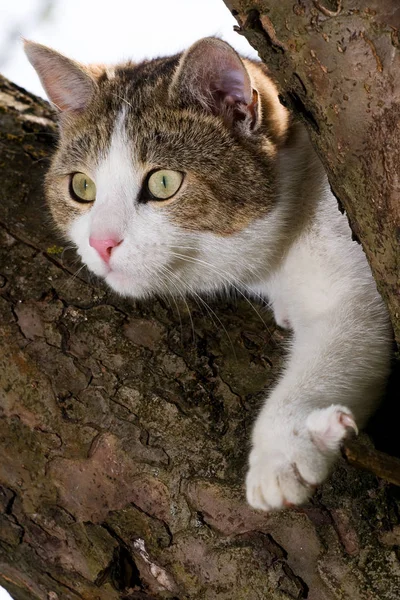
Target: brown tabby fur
column 166, row 132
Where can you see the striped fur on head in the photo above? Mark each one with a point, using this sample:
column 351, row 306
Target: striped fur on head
column 206, row 113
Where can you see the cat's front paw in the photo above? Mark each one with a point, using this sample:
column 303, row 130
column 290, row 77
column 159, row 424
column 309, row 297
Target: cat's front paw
column 286, row 464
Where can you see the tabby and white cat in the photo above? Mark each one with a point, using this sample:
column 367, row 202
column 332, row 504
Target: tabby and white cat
column 186, row 174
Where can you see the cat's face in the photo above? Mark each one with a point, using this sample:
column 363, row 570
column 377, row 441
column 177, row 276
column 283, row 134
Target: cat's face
column 164, row 170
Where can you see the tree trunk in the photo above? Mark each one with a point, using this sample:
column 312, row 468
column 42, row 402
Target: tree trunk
column 338, row 65
column 124, row 434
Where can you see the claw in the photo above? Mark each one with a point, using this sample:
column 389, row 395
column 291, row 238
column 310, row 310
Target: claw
column 348, row 422
column 287, row 504
column 301, row 479
column 328, row 427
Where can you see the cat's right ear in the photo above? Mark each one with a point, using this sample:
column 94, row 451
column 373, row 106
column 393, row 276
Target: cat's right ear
column 68, row 85
column 211, row 74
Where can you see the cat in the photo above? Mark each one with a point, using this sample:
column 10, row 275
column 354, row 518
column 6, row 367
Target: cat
column 186, row 174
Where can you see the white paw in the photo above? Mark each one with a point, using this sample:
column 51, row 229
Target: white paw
column 287, row 463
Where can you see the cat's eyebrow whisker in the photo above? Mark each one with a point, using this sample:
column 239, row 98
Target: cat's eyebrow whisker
column 37, row 160
column 123, row 99
column 223, row 275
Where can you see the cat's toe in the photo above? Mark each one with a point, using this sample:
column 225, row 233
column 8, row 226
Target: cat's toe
column 328, row 427
column 254, row 493
column 262, row 488
column 272, row 486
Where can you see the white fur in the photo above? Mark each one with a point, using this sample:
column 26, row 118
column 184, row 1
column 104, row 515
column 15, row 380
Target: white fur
column 134, row 265
column 317, row 280
column 339, row 355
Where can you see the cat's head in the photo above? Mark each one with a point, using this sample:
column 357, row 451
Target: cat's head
column 164, row 169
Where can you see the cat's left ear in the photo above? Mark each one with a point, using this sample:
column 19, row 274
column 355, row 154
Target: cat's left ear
column 68, row 84
column 211, row 73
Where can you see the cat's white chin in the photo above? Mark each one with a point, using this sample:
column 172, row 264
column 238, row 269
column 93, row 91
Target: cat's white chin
column 124, row 285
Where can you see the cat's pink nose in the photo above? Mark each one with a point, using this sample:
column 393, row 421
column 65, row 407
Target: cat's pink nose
column 104, row 247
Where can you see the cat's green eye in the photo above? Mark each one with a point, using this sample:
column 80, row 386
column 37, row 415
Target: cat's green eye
column 83, row 189
column 164, row 184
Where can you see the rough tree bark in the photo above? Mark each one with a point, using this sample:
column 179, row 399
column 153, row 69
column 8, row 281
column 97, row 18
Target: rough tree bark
column 124, row 434
column 338, row 66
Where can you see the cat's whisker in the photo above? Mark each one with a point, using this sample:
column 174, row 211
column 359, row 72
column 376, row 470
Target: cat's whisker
column 73, row 277
column 166, row 296
column 166, row 273
column 229, row 282
column 234, row 277
column 72, row 247
column 73, row 264
column 212, row 313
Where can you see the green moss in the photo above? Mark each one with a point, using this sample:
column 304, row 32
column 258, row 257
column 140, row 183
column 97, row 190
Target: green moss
column 54, row 250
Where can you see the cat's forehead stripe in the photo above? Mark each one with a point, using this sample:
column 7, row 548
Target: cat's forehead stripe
column 118, row 174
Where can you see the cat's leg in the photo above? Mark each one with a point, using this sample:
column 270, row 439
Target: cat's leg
column 320, row 399
column 334, row 378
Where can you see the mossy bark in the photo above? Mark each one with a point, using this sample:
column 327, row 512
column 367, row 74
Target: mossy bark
column 124, row 433
column 338, row 66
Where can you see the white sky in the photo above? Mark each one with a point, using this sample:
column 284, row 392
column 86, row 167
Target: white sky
column 96, row 31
